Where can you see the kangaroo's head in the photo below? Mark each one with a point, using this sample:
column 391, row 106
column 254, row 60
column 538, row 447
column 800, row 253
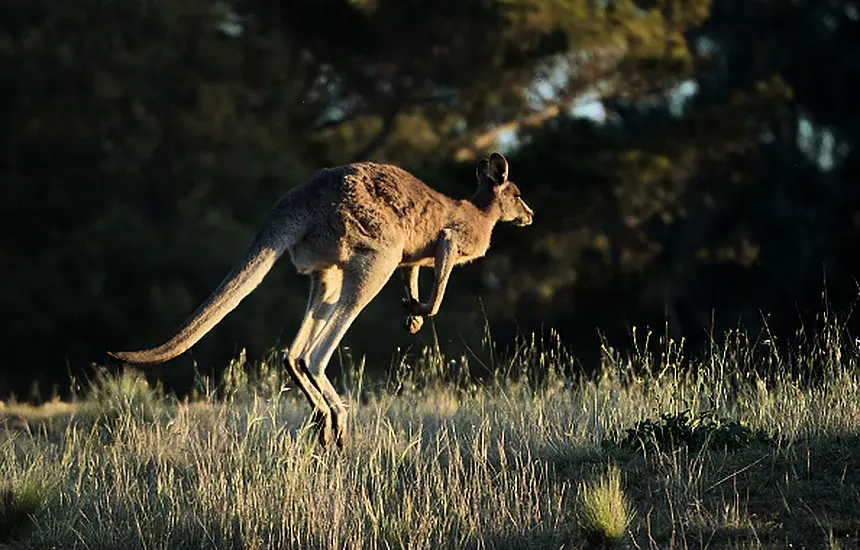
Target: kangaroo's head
column 493, row 175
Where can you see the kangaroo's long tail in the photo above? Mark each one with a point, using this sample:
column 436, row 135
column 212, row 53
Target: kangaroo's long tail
column 259, row 258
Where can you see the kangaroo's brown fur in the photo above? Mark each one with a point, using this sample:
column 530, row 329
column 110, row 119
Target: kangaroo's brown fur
column 349, row 228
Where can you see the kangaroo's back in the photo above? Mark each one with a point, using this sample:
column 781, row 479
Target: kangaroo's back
column 365, row 205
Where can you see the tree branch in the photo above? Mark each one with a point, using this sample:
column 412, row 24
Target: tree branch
column 388, row 120
column 486, row 138
column 335, row 122
column 584, row 76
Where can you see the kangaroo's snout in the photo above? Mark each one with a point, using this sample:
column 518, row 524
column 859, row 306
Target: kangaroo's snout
column 526, row 217
column 523, row 221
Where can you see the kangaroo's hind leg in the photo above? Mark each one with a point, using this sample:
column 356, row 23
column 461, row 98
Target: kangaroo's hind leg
column 363, row 277
column 324, row 288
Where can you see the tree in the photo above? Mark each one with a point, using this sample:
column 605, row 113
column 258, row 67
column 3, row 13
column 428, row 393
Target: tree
column 136, row 153
column 731, row 206
column 407, row 77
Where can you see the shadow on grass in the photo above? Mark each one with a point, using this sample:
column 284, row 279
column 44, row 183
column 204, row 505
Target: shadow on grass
column 802, row 493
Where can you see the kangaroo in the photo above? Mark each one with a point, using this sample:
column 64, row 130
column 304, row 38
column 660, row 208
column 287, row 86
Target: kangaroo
column 350, row 228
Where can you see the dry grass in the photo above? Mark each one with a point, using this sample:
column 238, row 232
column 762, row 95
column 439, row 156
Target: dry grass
column 442, row 461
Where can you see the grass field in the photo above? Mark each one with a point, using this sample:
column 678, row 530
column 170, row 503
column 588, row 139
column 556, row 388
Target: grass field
column 750, row 445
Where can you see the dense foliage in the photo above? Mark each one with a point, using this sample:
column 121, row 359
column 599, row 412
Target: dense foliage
column 143, row 142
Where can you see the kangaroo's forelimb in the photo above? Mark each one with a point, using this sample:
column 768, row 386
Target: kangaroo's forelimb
column 444, row 263
column 412, row 273
column 412, row 323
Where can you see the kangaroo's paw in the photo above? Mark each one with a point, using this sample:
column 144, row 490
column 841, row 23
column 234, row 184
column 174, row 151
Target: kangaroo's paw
column 413, row 323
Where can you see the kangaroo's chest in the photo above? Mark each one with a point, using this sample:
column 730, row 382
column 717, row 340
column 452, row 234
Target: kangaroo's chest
column 470, row 250
column 466, row 247
column 471, row 240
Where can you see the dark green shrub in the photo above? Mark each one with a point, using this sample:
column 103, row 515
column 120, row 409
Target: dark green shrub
column 683, row 429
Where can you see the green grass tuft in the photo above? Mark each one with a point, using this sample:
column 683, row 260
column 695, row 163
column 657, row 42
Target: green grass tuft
column 604, row 513
column 19, row 504
column 126, row 394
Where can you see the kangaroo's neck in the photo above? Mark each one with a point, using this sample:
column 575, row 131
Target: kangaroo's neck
column 473, row 222
column 485, row 201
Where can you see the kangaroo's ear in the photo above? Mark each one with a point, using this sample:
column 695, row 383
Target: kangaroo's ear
column 498, row 168
column 482, row 169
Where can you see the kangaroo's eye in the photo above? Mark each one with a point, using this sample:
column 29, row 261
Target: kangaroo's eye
column 517, row 195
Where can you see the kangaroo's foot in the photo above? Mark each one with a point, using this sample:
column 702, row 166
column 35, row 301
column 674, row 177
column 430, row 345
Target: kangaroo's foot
column 321, row 417
column 341, row 434
column 322, row 424
column 335, row 420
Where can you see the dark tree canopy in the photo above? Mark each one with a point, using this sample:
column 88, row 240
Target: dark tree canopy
column 143, row 143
